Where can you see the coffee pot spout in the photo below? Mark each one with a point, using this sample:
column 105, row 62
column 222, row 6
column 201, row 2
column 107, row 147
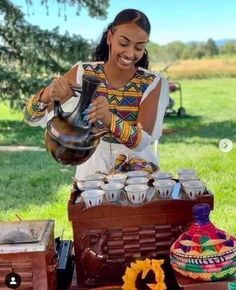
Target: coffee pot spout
column 96, row 134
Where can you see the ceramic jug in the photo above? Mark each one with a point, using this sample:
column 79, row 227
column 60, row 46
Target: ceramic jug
column 92, row 258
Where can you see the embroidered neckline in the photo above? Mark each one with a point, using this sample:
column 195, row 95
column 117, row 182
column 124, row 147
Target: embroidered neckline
column 109, row 86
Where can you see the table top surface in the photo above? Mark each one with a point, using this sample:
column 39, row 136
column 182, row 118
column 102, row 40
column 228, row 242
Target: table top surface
column 190, row 284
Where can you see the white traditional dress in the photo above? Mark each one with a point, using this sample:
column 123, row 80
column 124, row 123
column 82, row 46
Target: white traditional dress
column 124, row 103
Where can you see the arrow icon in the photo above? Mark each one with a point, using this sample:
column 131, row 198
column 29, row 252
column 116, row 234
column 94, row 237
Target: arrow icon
column 225, row 145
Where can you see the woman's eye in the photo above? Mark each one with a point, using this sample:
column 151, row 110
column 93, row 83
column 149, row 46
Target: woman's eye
column 123, row 44
column 139, row 49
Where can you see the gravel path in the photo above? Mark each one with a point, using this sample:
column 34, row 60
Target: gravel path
column 20, row 148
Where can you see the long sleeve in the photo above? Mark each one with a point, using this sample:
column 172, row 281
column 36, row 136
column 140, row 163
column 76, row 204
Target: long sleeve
column 35, row 112
column 131, row 135
column 126, row 133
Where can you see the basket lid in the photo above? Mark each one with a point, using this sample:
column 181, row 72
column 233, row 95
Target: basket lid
column 203, row 239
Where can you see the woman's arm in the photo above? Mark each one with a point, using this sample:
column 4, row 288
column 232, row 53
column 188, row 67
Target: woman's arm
column 148, row 109
column 41, row 104
column 149, row 122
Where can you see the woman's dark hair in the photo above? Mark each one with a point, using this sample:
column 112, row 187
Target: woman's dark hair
column 125, row 16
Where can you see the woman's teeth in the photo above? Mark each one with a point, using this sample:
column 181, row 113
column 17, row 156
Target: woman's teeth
column 126, row 61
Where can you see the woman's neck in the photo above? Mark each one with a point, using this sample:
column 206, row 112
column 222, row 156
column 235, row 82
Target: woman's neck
column 117, row 77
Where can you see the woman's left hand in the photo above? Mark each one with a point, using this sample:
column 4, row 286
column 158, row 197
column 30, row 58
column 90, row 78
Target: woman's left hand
column 99, row 110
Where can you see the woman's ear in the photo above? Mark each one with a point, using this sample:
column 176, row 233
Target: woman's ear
column 109, row 36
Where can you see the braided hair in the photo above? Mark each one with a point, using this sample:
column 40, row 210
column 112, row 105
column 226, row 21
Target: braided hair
column 127, row 15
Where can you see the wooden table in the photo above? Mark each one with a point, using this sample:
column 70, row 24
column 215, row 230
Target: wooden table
column 190, row 284
column 74, row 285
column 183, row 284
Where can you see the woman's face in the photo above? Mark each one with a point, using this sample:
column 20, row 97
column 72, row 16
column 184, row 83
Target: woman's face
column 127, row 42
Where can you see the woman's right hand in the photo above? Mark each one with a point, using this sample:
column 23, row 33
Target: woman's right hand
column 59, row 90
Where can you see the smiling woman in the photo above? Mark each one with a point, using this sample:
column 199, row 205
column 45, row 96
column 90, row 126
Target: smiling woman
column 130, row 100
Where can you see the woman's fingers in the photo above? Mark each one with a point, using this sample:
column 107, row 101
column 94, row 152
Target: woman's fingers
column 98, row 110
column 97, row 114
column 101, row 102
column 60, row 90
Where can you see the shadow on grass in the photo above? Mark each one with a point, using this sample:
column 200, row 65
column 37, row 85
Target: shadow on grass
column 198, row 132
column 20, row 133
column 184, row 122
column 31, row 178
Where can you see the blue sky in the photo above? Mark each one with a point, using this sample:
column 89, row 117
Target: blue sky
column 184, row 20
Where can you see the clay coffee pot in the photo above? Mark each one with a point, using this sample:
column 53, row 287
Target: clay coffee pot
column 92, row 258
column 69, row 138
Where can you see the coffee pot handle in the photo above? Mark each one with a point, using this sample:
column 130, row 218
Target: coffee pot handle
column 86, row 235
column 58, row 111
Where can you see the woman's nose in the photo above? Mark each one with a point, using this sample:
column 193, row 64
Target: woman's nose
column 129, row 53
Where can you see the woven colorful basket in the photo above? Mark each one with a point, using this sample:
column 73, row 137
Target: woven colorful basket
column 204, row 252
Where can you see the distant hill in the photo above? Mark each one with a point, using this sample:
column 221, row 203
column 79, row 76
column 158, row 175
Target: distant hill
column 218, row 42
column 222, row 42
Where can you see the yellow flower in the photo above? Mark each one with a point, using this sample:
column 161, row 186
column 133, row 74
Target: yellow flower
column 158, row 286
column 144, row 267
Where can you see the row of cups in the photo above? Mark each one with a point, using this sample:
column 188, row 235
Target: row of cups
column 136, row 193
column 133, row 177
column 135, row 185
column 190, row 182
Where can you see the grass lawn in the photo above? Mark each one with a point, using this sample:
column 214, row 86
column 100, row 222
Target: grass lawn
column 34, row 186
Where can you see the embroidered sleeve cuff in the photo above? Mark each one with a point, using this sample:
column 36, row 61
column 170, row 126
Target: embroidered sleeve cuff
column 123, row 131
column 35, row 109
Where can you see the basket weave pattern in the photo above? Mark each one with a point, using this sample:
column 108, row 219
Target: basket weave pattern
column 129, row 243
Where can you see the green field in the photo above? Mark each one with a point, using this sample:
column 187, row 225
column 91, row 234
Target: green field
column 34, row 186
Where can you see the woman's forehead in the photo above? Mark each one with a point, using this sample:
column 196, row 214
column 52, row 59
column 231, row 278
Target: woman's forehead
column 132, row 32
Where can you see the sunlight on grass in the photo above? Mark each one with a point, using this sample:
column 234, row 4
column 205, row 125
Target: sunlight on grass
column 9, row 114
column 56, row 210
column 14, row 131
column 34, row 186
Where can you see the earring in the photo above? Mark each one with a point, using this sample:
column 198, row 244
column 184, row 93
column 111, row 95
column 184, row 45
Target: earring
column 109, row 51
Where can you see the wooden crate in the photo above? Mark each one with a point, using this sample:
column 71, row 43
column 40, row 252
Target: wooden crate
column 133, row 232
column 35, row 262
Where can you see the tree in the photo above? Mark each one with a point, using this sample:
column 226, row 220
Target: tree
column 229, row 47
column 95, row 8
column 30, row 56
column 175, row 49
column 154, row 52
column 211, row 48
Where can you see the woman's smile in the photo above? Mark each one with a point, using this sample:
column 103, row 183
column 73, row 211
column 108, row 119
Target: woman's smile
column 125, row 61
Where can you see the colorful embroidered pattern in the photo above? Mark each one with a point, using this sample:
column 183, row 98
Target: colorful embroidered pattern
column 204, row 251
column 126, row 133
column 34, row 109
column 123, row 103
column 124, row 164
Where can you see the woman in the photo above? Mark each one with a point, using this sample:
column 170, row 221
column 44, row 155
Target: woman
column 131, row 99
